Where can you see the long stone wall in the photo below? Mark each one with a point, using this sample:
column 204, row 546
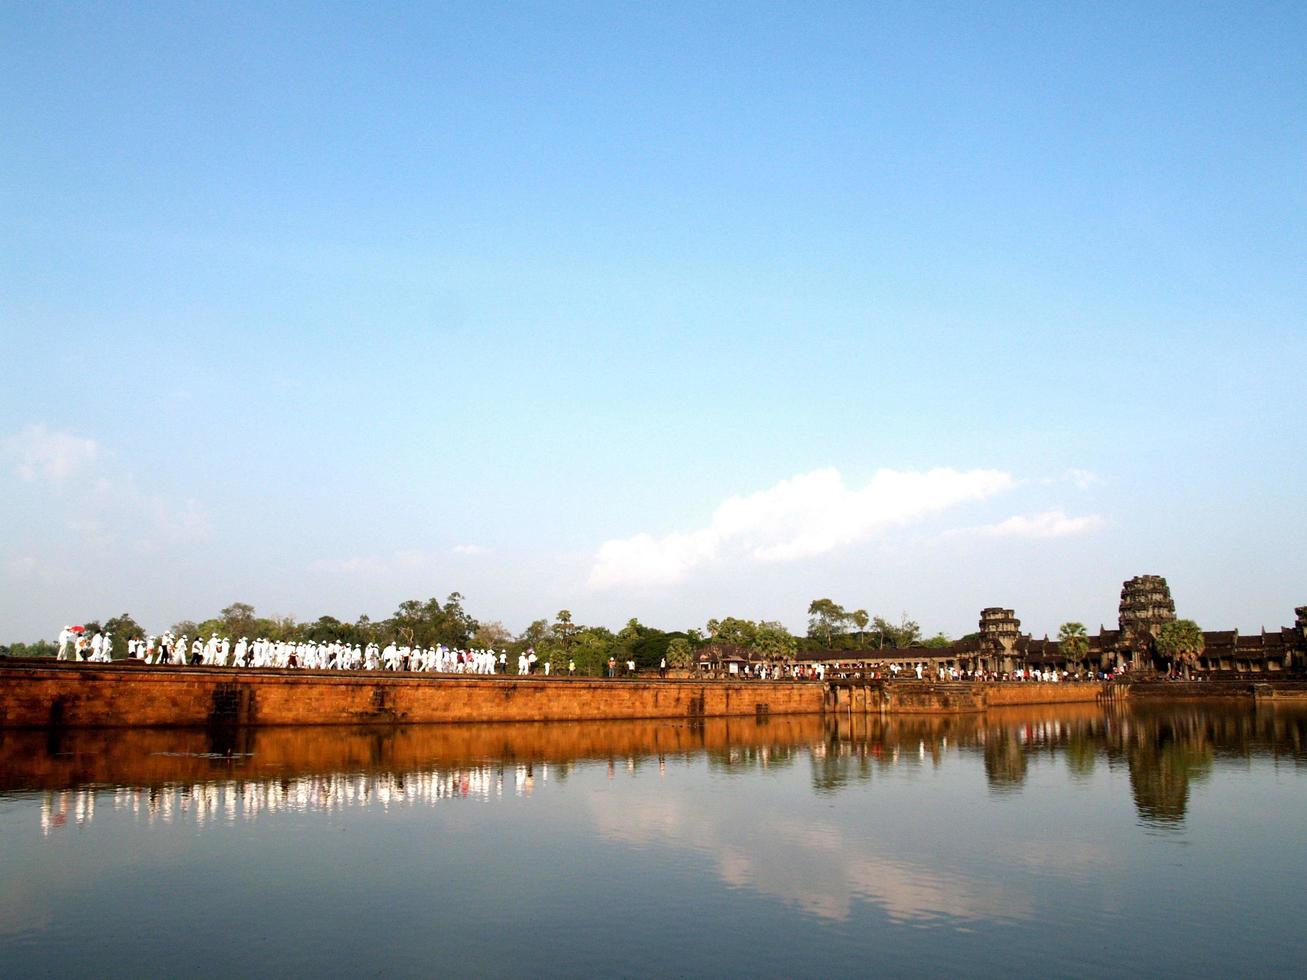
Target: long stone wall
column 932, row 698
column 1002, row 695
column 66, row 695
column 58, row 694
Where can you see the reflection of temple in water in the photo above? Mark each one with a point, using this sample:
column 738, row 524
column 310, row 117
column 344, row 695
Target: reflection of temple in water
column 168, row 776
column 1165, row 749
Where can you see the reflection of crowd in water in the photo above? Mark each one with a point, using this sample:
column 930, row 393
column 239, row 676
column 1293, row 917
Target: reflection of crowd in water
column 245, row 799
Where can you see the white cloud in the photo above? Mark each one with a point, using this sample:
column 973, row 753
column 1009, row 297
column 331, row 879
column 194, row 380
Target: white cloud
column 469, row 549
column 373, row 565
column 98, row 501
column 822, row 869
column 1049, row 524
column 398, row 563
column 359, row 565
column 41, row 454
column 186, row 523
column 1082, row 479
column 806, row 515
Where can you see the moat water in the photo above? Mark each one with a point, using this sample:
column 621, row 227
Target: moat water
column 1069, row 841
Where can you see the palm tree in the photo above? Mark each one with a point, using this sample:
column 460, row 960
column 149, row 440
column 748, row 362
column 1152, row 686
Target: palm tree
column 1180, row 642
column 1073, row 640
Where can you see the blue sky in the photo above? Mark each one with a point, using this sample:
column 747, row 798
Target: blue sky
column 328, row 306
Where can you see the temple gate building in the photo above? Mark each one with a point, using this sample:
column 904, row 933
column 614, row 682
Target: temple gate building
column 1146, row 606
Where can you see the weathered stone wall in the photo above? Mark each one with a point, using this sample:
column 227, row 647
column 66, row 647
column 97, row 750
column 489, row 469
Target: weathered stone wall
column 911, row 698
column 1262, row 690
column 48, row 694
column 123, row 695
column 1000, row 695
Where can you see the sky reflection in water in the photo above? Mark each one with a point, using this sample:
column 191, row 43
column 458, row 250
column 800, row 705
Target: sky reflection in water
column 1067, row 840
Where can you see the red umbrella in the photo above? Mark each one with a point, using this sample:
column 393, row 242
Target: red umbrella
column 77, row 629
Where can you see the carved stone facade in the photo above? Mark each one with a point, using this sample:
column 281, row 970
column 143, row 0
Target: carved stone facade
column 1146, row 605
column 1000, row 632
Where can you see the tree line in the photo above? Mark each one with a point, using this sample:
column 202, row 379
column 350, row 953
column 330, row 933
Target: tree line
column 560, row 640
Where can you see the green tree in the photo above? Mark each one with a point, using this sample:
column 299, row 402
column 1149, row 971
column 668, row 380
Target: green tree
column 457, row 625
column 238, row 620
column 633, row 630
column 733, row 632
column 426, row 624
column 491, row 636
column 1181, row 643
column 1073, row 639
column 905, row 634
column 122, row 628
column 773, row 642
column 883, row 631
column 681, row 654
column 327, row 629
column 278, row 628
column 40, row 648
column 591, row 647
column 210, row 627
column 860, row 619
column 909, row 632
column 564, row 631
column 364, row 629
column 826, row 619
column 534, row 636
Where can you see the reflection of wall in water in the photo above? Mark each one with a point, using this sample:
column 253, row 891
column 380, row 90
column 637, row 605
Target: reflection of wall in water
column 1165, row 748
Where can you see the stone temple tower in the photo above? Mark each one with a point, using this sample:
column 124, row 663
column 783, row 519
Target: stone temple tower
column 1301, row 623
column 1146, row 604
column 999, row 632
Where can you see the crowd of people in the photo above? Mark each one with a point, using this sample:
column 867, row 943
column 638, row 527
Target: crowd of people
column 220, row 651
column 76, row 645
column 1045, row 673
